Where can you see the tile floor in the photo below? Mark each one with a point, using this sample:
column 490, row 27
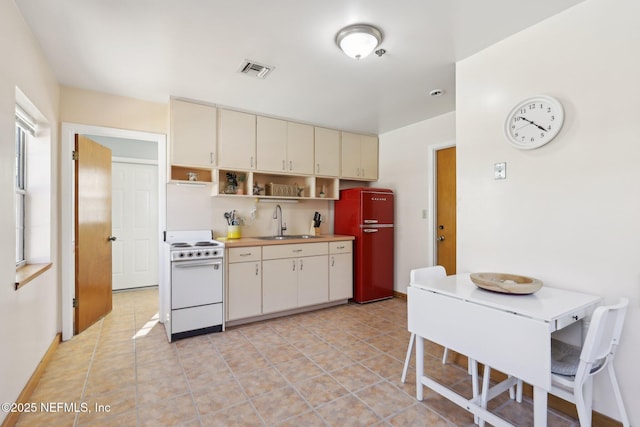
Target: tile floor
column 334, row 367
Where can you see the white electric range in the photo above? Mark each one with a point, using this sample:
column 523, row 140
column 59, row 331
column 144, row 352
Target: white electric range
column 192, row 293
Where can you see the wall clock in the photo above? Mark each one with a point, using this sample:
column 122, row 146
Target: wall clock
column 534, row 122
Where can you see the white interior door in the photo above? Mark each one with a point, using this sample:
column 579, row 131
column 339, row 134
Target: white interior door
column 135, row 225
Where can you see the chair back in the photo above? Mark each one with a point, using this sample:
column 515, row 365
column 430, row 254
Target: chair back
column 428, row 273
column 603, row 335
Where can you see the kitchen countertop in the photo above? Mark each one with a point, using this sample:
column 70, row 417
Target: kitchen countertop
column 255, row 241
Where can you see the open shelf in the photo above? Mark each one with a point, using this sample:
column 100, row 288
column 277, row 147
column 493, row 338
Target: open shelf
column 190, row 174
column 273, row 186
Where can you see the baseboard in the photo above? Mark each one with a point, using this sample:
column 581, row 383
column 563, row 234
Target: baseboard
column 27, row 391
column 399, row 295
column 561, row 405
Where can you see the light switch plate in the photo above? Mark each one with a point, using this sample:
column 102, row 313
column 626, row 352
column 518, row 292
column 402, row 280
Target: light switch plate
column 500, row 170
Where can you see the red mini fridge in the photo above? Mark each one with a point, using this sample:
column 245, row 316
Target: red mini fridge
column 367, row 214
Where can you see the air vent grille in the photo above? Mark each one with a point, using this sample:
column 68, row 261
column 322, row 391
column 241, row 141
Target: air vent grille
column 255, row 69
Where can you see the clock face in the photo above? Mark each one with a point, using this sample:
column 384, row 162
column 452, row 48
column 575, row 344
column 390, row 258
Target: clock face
column 534, row 122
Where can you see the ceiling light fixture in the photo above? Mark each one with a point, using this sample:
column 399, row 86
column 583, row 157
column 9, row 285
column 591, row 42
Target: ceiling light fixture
column 358, row 41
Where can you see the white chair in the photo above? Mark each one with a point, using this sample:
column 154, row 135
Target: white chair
column 416, row 275
column 573, row 368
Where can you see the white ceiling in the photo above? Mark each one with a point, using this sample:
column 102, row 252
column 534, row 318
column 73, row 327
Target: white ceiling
column 153, row 49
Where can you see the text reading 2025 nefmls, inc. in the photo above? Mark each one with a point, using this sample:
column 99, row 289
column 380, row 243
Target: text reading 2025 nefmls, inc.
column 53, row 407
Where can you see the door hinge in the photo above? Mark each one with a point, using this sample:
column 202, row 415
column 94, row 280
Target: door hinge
column 75, row 303
column 74, row 155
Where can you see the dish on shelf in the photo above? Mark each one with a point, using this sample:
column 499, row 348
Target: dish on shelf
column 506, row 283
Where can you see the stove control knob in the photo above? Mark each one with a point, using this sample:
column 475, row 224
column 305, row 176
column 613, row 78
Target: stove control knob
column 206, row 253
column 198, row 253
column 190, row 254
column 181, row 254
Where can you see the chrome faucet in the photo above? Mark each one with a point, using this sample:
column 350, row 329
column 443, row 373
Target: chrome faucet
column 281, row 226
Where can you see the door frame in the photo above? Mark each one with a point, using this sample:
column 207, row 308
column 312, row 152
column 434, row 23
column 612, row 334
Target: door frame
column 67, row 176
column 432, row 199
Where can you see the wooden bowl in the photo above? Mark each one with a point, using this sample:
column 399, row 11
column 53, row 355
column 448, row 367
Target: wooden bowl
column 506, row 283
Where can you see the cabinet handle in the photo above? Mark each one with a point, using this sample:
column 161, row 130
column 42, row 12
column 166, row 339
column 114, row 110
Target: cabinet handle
column 257, row 269
column 211, row 157
column 363, row 172
column 251, row 161
column 246, row 254
column 339, row 247
column 317, row 167
column 333, row 261
column 358, row 172
column 283, row 166
column 301, row 265
column 297, row 251
column 290, row 165
column 293, row 262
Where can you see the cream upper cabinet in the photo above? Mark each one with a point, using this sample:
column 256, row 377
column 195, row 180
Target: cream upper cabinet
column 359, row 157
column 327, row 152
column 271, row 144
column 284, row 146
column 193, row 134
column 300, row 148
column 236, row 140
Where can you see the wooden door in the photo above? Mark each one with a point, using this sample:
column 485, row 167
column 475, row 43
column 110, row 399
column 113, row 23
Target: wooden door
column 446, row 208
column 135, row 221
column 92, row 232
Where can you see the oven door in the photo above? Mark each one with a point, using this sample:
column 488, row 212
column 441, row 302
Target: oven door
column 196, row 282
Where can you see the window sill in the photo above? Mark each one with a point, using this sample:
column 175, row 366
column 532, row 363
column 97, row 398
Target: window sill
column 28, row 272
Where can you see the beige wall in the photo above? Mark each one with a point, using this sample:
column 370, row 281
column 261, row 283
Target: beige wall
column 29, row 317
column 567, row 212
column 101, row 109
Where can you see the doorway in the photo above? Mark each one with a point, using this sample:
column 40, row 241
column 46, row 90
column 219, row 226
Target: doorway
column 446, row 209
column 67, row 238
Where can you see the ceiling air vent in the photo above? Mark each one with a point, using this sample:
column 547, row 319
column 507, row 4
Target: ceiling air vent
column 253, row 68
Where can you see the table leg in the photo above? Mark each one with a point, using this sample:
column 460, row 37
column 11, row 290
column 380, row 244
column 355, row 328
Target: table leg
column 539, row 407
column 419, row 365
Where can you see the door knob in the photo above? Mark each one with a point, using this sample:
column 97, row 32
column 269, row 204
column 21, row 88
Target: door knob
column 440, row 238
column 112, row 238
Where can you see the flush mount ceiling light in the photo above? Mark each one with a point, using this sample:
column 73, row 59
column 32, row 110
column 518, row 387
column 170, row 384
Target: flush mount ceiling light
column 358, row 41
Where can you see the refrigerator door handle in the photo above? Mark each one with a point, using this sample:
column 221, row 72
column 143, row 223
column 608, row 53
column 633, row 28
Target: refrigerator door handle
column 370, row 230
column 370, row 221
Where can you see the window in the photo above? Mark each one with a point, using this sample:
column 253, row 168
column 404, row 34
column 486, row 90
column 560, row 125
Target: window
column 25, row 126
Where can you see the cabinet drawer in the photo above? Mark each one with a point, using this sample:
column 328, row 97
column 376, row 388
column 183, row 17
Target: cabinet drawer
column 341, row 247
column 295, row 250
column 252, row 253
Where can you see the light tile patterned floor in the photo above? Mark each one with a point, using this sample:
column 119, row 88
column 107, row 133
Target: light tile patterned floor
column 338, row 367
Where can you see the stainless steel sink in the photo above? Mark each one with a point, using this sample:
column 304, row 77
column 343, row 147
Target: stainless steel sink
column 293, row 236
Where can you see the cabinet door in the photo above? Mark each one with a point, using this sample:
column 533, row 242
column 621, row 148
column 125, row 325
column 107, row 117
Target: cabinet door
column 368, row 157
column 244, row 298
column 193, row 134
column 280, row 285
column 327, row 152
column 313, row 280
column 340, row 276
column 236, row 140
column 299, row 148
column 350, row 155
column 271, row 144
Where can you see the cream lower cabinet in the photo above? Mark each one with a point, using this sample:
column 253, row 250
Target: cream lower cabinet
column 244, row 280
column 294, row 276
column 340, row 270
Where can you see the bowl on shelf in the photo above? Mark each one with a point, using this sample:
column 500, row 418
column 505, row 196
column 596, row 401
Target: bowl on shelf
column 506, row 283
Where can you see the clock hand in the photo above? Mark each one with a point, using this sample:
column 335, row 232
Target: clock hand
column 533, row 123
